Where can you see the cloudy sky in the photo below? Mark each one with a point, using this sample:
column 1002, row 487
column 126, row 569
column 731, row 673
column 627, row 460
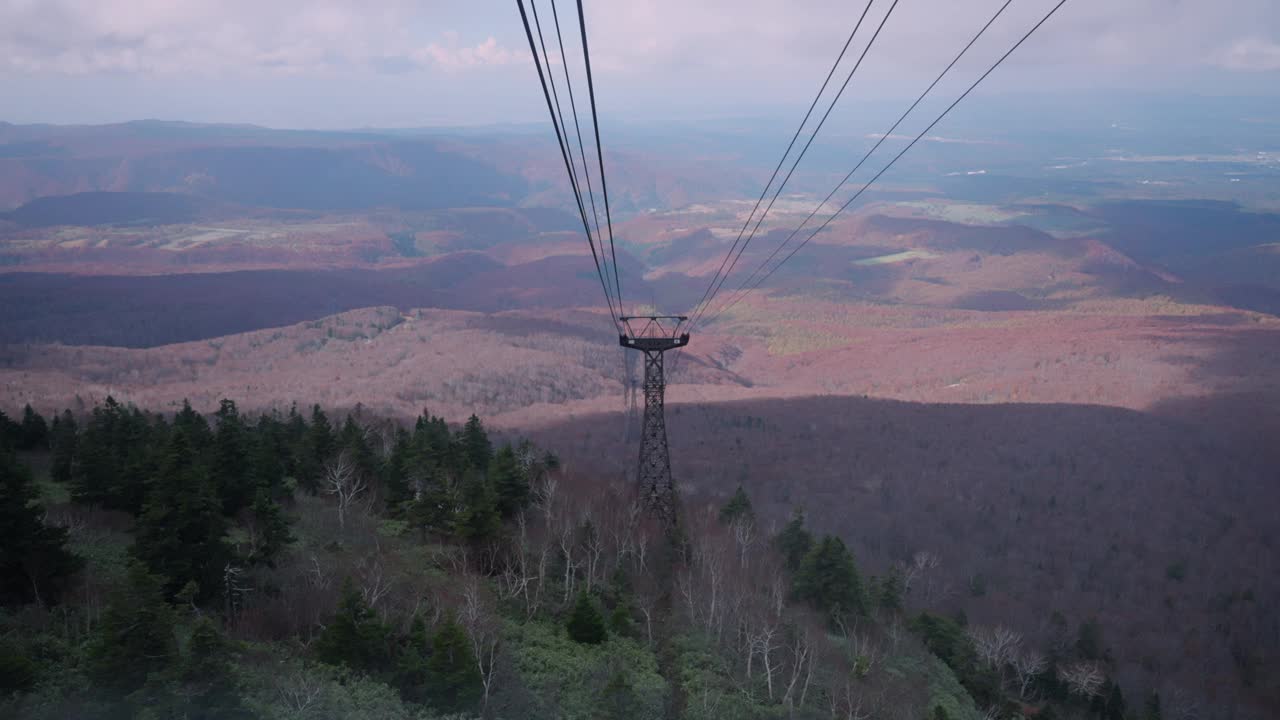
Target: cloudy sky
column 403, row 63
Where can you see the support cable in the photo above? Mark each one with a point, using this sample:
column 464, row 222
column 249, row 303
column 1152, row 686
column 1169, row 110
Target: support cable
column 782, row 160
column 595, row 121
column 613, row 316
column 896, row 157
column 885, row 136
column 800, row 157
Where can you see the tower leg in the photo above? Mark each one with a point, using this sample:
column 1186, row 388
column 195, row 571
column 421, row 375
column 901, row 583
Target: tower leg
column 655, row 457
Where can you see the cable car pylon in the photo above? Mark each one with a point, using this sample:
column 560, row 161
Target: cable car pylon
column 653, row 336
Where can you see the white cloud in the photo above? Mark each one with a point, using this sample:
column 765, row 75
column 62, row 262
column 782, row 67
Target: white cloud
column 1250, row 54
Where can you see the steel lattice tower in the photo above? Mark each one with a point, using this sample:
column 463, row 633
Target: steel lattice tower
column 653, row 338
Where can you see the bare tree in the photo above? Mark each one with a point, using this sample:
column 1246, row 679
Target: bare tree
column 483, row 633
column 1083, row 678
column 921, row 563
column 1027, row 665
column 343, row 480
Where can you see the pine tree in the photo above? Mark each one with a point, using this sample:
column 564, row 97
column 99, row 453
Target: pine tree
column 738, row 506
column 411, row 663
column 272, row 532
column 479, row 519
column 586, row 625
column 829, row 579
column 395, row 475
column 890, row 595
column 206, row 680
column 195, row 427
column 453, row 678
column 10, row 433
column 476, row 447
column 509, row 482
column 180, row 532
column 230, row 465
column 355, row 637
column 33, row 556
column 794, row 542
column 34, row 431
column 63, row 440
column 134, row 638
column 1153, row 711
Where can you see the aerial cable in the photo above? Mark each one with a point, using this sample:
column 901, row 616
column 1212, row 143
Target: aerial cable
column 782, row 160
column 573, row 106
column 595, row 121
column 546, row 94
column 873, row 149
column 896, row 157
column 800, row 157
column 573, row 166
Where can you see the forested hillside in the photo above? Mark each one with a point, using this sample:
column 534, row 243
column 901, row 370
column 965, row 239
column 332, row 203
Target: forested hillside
column 301, row 566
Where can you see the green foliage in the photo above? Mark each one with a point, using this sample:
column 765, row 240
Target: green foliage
column 1089, row 643
column 272, row 534
column 180, row 532
column 738, row 506
column 1177, row 571
column 34, row 560
column 794, row 541
column 509, row 482
column 63, row 441
column 711, row 689
column 355, row 637
column 1152, row 710
column 34, row 432
column 453, row 678
column 478, row 519
column 203, row 686
column 229, row 466
column 134, row 637
column 115, row 457
column 571, row 681
column 586, row 624
column 828, row 578
column 889, row 595
column 17, row 671
column 476, row 448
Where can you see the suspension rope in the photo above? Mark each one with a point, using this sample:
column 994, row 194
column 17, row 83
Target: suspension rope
column 885, row 136
column 896, row 157
column 542, row 79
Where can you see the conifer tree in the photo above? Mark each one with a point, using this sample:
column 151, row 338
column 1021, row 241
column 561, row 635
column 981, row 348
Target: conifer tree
column 230, row 466
column 63, row 440
column 195, row 427
column 34, row 432
column 586, row 625
column 395, row 475
column 411, row 663
column 180, row 532
column 453, row 678
column 271, row 529
column 134, row 637
column 738, row 506
column 479, row 519
column 890, row 595
column 10, row 433
column 1152, row 710
column 794, row 541
column 205, row 680
column 829, row 579
column 355, row 637
column 509, row 482
column 33, row 556
column 477, row 449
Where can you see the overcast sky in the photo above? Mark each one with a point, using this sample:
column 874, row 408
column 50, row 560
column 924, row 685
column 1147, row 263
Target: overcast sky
column 402, row 63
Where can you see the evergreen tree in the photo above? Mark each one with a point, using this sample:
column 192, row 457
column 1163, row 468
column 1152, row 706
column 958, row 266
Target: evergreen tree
column 478, row 519
column 586, row 625
column 738, row 506
column 265, row 470
column 411, row 663
column 34, row 433
column 1089, row 641
column 355, row 637
column 271, row 529
column 319, row 447
column 794, row 542
column 829, row 579
column 940, row 713
column 509, row 482
column 10, row 433
column 194, row 425
column 180, row 532
column 63, row 440
column 230, row 465
column 33, row 556
column 890, row 595
column 352, row 438
column 134, row 638
column 206, row 683
column 395, row 475
column 477, row 449
column 453, row 679
column 1152, row 710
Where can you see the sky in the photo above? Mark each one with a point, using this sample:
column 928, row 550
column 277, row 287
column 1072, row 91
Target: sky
column 415, row 63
